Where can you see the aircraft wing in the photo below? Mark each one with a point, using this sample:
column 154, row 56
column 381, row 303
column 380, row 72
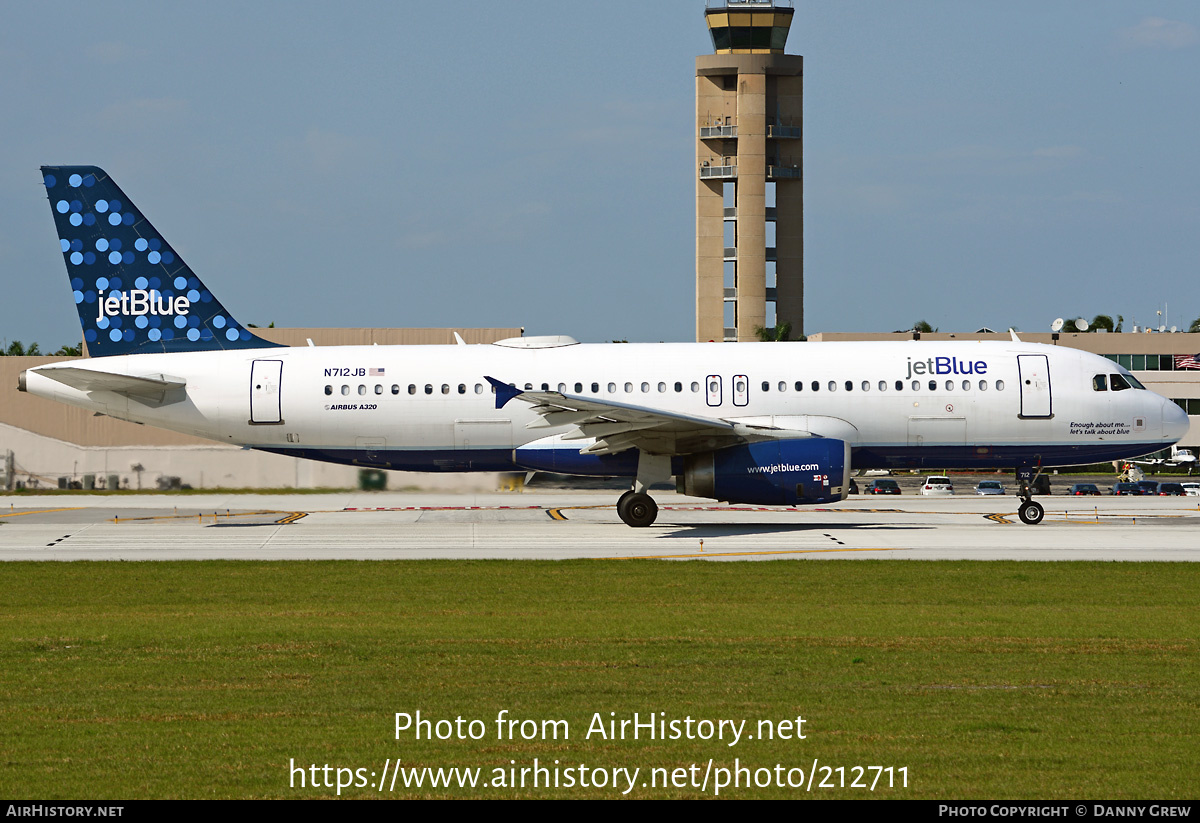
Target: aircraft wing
column 151, row 389
column 617, row 427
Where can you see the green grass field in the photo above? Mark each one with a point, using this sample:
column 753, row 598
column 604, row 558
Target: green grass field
column 983, row 680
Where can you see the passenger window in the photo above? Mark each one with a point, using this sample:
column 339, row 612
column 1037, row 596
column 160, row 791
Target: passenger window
column 612, row 388
column 678, row 386
column 479, row 388
column 628, row 388
column 816, row 386
column 916, row 385
column 782, row 386
column 695, row 386
column 362, row 389
column 395, row 389
column 428, row 388
column 579, row 388
column 412, row 389
column 662, row 387
column 883, row 385
column 799, row 386
column 645, row 387
column 983, row 385
column 1118, row 382
column 899, row 385
column 966, row 385
column 949, row 385
column 562, row 388
column 345, row 391
column 462, row 388
column 595, row 388
column 445, row 388
column 866, row 386
column 329, row 389
column 999, row 385
column 766, row 386
column 378, row 388
column 849, row 385
column 832, row 385
column 528, row 387
column 933, row 385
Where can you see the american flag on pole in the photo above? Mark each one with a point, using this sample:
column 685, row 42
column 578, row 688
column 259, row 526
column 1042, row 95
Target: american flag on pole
column 376, row 372
column 1187, row 361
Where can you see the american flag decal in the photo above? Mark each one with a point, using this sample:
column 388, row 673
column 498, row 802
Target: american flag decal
column 376, row 372
column 1187, row 361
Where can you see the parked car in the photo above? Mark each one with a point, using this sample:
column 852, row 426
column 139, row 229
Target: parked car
column 1168, row 489
column 1148, row 486
column 1083, row 488
column 937, row 485
column 882, row 486
column 1127, row 489
column 989, row 487
column 1191, row 489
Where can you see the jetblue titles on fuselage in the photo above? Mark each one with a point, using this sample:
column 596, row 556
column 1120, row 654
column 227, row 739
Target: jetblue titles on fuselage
column 946, row 365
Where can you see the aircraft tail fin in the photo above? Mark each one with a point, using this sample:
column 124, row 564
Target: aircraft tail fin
column 133, row 292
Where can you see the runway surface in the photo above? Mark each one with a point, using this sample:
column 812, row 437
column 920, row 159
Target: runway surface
column 560, row 525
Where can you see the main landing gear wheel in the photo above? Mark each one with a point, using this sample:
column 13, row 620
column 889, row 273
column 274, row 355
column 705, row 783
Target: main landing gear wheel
column 1031, row 513
column 637, row 509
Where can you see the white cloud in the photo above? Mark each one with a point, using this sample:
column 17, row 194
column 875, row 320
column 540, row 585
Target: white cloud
column 1159, row 33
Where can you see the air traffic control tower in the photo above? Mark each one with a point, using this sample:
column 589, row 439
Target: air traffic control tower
column 749, row 191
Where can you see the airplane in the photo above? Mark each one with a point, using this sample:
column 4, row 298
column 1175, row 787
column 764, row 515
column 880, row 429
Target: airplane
column 780, row 424
column 1178, row 457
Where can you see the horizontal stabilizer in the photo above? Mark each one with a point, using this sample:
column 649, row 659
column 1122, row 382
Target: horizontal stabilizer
column 151, row 389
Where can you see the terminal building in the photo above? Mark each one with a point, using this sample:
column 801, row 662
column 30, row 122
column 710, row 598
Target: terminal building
column 749, row 160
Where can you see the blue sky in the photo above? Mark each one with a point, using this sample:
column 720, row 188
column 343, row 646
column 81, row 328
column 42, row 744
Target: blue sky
column 531, row 164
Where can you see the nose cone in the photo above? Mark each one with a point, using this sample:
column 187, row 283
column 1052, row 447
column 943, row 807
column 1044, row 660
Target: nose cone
column 1175, row 422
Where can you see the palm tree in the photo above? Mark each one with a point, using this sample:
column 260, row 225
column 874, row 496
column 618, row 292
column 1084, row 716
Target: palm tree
column 17, row 349
column 775, row 334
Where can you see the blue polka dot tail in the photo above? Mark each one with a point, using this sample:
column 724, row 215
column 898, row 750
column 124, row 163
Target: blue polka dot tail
column 131, row 288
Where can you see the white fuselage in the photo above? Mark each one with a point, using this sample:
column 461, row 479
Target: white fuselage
column 430, row 408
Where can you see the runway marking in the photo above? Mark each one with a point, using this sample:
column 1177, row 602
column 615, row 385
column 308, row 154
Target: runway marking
column 291, row 518
column 1093, row 518
column 198, row 515
column 749, row 554
column 44, row 511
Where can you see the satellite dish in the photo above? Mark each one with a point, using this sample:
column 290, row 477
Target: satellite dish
column 1162, row 329
column 1081, row 324
column 1174, row 329
column 1057, row 325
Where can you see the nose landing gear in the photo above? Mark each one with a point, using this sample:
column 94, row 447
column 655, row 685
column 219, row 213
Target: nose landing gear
column 1031, row 512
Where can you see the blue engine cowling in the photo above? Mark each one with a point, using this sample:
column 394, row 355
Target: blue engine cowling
column 771, row 473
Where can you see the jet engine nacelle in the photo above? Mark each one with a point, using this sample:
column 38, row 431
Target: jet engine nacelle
column 772, row 473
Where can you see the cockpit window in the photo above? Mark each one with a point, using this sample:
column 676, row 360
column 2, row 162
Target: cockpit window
column 1118, row 382
column 1133, row 381
column 1099, row 383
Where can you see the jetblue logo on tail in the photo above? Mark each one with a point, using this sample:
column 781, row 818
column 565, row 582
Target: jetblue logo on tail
column 133, row 293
